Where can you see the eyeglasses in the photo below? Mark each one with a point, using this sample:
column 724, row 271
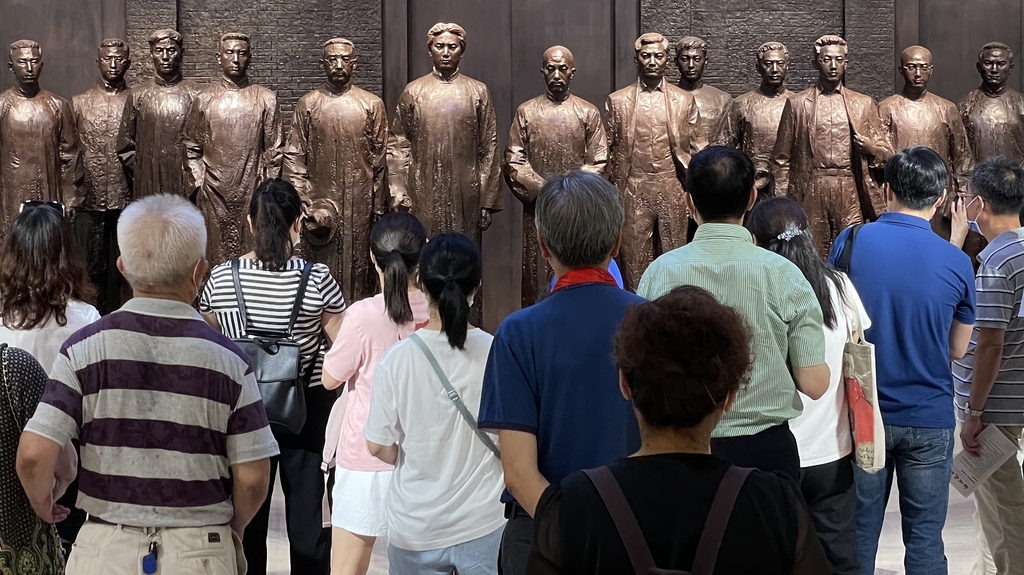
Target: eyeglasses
column 32, row 204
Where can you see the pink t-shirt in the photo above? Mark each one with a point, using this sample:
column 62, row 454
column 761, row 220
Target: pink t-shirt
column 365, row 334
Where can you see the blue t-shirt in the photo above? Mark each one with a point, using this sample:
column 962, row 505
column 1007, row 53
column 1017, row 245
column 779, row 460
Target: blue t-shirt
column 913, row 285
column 550, row 373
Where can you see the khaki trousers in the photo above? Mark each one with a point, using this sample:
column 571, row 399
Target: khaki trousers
column 999, row 520
column 118, row 550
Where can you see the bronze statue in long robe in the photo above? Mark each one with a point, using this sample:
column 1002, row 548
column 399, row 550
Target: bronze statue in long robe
column 993, row 113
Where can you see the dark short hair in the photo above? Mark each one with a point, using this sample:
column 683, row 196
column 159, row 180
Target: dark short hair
column 917, row 177
column 579, row 215
column 682, row 355
column 1000, row 181
column 719, row 180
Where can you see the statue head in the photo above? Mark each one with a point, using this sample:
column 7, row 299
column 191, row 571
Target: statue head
column 339, row 59
column 113, row 60
column 691, row 56
column 26, row 61
column 167, row 48
column 830, row 58
column 651, row 55
column 916, row 68
column 772, row 63
column 447, row 44
column 558, row 68
column 234, row 55
column 995, row 62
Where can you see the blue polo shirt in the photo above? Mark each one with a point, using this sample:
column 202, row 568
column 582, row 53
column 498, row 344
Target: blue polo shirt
column 914, row 285
column 550, row 373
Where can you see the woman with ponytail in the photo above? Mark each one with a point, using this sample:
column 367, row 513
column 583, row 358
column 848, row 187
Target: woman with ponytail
column 269, row 278
column 443, row 506
column 370, row 327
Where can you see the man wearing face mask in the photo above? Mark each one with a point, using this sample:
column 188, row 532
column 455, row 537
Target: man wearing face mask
column 335, row 160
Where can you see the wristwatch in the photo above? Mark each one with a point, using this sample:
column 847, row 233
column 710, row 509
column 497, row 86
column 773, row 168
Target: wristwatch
column 973, row 412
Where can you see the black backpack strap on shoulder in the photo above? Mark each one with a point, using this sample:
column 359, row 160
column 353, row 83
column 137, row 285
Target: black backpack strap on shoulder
column 238, row 295
column 847, row 253
column 625, row 521
column 718, row 519
column 299, row 296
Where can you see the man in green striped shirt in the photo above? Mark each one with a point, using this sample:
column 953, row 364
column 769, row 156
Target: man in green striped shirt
column 770, row 292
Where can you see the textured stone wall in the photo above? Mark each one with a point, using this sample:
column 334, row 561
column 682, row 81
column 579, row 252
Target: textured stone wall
column 735, row 28
column 143, row 17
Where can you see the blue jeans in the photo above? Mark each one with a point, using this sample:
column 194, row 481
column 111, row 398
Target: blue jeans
column 476, row 557
column 922, row 460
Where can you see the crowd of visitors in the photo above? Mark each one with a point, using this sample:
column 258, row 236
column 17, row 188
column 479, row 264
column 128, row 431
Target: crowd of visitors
column 700, row 425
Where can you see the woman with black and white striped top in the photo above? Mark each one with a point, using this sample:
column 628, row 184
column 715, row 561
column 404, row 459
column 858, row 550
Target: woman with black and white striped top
column 269, row 277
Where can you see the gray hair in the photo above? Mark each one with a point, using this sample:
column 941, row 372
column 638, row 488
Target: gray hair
column 579, row 216
column 829, row 40
column 166, row 34
column 161, row 239
column 691, row 43
column 771, row 47
column 996, row 46
column 25, row 45
column 650, row 38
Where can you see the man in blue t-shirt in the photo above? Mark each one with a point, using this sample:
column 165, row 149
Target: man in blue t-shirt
column 551, row 389
column 919, row 292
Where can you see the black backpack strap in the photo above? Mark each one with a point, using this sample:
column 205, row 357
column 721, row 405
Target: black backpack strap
column 847, row 253
column 299, row 296
column 718, row 519
column 238, row 295
column 625, row 521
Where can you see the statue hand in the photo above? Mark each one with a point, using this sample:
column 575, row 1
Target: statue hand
column 959, row 227
column 868, row 146
column 321, row 217
column 485, row 218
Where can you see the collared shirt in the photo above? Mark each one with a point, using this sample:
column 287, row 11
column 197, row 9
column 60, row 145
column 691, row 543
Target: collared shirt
column 651, row 151
column 1000, row 288
column 777, row 303
column 162, row 405
column 830, row 143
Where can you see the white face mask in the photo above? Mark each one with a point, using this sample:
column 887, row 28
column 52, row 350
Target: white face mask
column 195, row 282
column 972, row 224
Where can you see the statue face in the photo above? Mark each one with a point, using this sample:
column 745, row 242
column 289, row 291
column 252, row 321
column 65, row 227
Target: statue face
column 772, row 66
column 651, row 61
column 917, row 69
column 831, row 63
column 234, row 58
column 27, row 65
column 446, row 52
column 113, row 63
column 166, row 57
column 995, row 67
column 558, row 72
column 691, row 63
column 339, row 60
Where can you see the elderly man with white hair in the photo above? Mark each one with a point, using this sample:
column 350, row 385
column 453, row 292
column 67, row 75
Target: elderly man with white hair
column 175, row 443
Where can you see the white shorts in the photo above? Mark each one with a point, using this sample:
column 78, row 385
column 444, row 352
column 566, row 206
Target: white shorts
column 360, row 498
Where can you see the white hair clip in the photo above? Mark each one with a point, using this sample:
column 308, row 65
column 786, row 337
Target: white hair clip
column 790, row 233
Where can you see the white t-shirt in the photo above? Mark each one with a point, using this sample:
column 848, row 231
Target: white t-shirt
column 822, row 431
column 44, row 341
column 447, row 485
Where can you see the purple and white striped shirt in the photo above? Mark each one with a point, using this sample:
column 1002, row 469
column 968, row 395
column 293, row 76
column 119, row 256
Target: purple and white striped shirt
column 162, row 406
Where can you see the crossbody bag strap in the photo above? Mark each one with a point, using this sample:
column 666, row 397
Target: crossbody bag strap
column 299, row 296
column 454, row 396
column 847, row 254
column 623, row 518
column 718, row 519
column 238, row 295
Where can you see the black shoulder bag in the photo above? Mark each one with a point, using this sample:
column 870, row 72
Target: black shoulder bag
column 275, row 358
column 847, row 253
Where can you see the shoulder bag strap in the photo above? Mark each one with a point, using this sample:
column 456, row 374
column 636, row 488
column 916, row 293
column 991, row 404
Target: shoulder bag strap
column 847, row 254
column 718, row 519
column 454, row 396
column 623, row 518
column 238, row 295
column 7, row 386
column 299, row 296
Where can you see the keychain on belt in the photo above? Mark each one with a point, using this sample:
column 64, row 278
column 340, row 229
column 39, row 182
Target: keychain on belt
column 149, row 560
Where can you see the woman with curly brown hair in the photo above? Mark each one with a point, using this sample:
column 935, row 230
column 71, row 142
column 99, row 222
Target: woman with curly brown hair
column 681, row 359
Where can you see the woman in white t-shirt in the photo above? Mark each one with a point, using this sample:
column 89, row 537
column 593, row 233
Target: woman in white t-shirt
column 823, row 430
column 444, row 511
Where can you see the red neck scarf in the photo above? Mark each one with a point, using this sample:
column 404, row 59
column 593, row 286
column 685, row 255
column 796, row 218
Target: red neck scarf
column 584, row 276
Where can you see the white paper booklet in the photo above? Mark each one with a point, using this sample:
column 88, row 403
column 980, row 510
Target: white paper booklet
column 970, row 470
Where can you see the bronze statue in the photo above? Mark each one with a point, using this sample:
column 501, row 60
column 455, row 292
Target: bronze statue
column 653, row 129
column 151, row 141
column 916, row 116
column 335, row 159
column 756, row 114
column 233, row 141
column 714, row 104
column 105, row 191
column 993, row 113
column 39, row 155
column 830, row 149
column 554, row 133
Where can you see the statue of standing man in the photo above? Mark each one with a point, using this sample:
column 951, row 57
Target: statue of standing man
column 553, row 133
column 105, row 191
column 39, row 154
column 714, row 104
column 335, row 159
column 233, row 139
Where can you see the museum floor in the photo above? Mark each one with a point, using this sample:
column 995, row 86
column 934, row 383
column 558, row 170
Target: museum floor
column 958, row 536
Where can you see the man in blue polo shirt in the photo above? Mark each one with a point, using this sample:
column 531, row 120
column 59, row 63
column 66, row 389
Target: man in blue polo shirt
column 551, row 388
column 918, row 290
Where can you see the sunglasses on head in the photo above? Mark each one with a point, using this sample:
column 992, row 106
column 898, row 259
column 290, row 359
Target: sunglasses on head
column 32, row 204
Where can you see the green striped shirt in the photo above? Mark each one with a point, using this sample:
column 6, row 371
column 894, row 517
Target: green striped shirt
column 780, row 309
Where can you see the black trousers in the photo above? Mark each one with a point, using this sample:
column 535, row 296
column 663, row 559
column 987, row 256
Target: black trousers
column 774, row 449
column 516, row 541
column 96, row 232
column 831, row 498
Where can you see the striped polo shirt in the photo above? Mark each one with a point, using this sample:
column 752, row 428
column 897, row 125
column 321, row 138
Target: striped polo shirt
column 1000, row 288
column 775, row 300
column 162, row 406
